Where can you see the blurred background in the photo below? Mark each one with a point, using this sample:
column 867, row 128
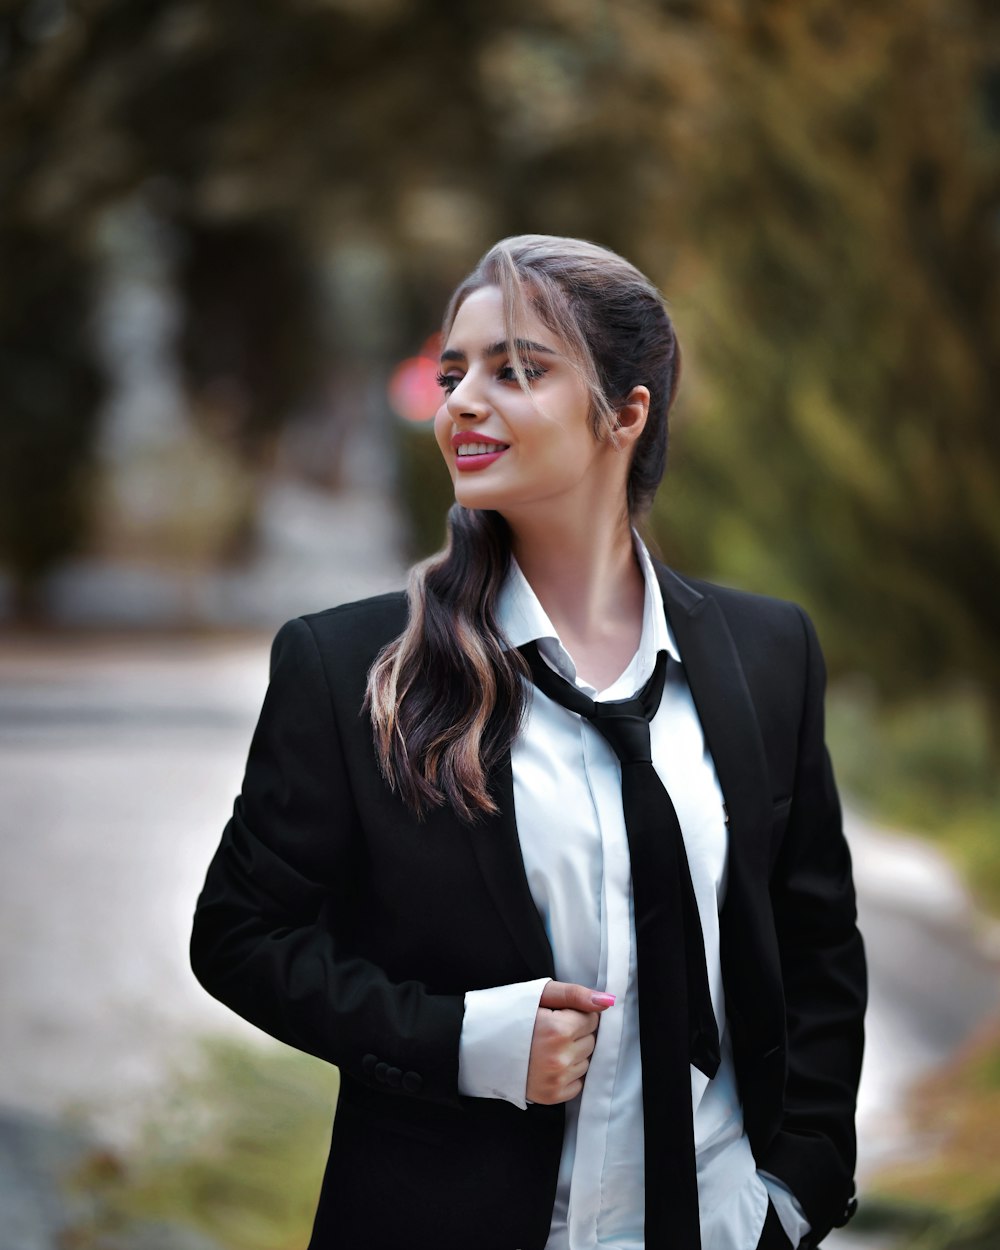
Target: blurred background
column 227, row 233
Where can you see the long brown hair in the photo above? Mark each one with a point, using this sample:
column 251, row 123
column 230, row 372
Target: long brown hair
column 446, row 697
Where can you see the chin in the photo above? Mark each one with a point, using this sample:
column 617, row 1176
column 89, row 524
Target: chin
column 479, row 504
column 470, row 497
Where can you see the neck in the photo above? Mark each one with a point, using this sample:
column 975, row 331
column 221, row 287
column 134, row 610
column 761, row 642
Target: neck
column 588, row 580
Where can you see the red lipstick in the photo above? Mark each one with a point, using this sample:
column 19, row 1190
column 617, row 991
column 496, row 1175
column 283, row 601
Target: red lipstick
column 480, row 453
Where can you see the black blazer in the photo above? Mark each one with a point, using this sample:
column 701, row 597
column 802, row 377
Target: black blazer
column 338, row 923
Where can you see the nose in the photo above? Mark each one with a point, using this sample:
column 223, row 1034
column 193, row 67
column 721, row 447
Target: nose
column 465, row 404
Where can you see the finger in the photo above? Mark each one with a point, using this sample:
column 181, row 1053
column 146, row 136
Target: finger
column 581, row 1024
column 584, row 1046
column 566, row 1025
column 560, row 995
column 588, row 1026
column 578, row 1071
column 570, row 1092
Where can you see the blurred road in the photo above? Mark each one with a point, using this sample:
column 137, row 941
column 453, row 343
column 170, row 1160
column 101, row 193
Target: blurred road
column 119, row 761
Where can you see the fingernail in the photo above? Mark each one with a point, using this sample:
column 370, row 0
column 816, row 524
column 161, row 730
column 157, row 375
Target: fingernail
column 603, row 1000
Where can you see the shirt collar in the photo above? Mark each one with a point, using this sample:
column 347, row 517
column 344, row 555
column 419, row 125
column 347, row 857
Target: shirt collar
column 523, row 619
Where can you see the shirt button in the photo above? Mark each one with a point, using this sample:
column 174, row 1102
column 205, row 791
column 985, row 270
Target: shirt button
column 380, row 1070
column 412, row 1082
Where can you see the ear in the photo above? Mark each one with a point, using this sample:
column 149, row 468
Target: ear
column 632, row 415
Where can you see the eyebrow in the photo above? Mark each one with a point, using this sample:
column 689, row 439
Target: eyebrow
column 500, row 349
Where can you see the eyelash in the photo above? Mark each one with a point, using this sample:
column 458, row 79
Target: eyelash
column 448, row 381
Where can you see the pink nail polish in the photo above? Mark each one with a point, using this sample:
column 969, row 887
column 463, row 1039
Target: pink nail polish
column 603, row 1000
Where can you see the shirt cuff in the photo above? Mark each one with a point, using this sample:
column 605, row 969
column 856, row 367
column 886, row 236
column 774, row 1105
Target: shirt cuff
column 786, row 1205
column 495, row 1044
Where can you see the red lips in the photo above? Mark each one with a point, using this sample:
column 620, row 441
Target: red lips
column 469, row 436
column 478, row 459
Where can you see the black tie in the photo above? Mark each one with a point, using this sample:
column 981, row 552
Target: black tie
column 676, row 1018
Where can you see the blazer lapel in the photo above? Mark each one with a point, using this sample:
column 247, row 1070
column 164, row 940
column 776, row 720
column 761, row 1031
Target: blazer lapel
column 497, row 848
column 750, row 959
column 721, row 695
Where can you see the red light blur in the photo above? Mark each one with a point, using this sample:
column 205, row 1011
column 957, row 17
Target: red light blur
column 414, row 393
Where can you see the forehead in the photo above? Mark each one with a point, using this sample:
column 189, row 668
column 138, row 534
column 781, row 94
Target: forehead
column 479, row 322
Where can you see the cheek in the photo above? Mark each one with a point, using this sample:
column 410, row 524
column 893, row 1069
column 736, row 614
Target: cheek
column 442, row 431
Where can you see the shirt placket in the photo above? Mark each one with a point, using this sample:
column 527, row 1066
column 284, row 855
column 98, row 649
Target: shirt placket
column 597, row 1103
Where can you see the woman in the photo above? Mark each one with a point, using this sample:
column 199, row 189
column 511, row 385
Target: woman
column 449, row 873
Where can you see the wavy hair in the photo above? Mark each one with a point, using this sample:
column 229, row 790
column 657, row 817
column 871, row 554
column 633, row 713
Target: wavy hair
column 446, row 698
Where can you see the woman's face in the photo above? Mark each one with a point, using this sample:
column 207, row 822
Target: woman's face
column 508, row 450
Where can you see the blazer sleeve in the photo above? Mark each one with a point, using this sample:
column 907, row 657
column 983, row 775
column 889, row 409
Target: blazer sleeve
column 824, row 979
column 264, row 937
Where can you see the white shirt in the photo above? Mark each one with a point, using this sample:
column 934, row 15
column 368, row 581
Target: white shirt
column 568, row 779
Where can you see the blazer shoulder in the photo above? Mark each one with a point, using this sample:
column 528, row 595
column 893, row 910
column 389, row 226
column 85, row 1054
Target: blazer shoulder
column 378, row 614
column 350, row 635
column 748, row 614
column 735, row 602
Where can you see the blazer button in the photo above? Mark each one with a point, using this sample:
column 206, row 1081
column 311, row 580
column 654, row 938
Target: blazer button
column 368, row 1064
column 380, row 1070
column 392, row 1077
column 412, row 1082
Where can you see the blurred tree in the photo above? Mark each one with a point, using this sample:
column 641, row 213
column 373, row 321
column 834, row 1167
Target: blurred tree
column 845, row 324
column 815, row 186
column 50, row 390
column 251, row 344
column 330, row 122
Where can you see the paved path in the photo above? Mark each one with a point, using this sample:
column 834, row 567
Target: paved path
column 119, row 761
column 118, row 765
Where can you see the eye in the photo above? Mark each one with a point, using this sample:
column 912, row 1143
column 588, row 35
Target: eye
column 447, row 382
column 531, row 372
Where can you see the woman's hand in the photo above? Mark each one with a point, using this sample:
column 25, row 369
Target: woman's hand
column 563, row 1040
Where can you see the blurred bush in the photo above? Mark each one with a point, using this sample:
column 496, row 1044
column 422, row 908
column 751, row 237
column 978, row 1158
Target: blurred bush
column 234, row 1148
column 424, row 489
column 949, row 1192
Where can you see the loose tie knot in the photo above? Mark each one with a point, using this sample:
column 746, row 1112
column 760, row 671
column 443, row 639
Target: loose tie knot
column 626, row 730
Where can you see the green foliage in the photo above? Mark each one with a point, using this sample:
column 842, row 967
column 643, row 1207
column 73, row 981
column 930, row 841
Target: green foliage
column 949, row 1196
column 424, row 488
column 927, row 1230
column 236, row 1149
column 844, row 319
column 980, row 1232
